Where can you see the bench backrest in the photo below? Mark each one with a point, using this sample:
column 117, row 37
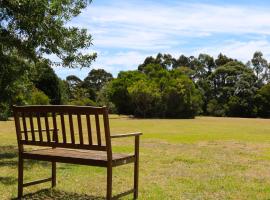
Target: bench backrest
column 78, row 127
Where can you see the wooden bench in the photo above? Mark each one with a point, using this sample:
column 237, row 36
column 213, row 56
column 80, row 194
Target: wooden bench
column 64, row 138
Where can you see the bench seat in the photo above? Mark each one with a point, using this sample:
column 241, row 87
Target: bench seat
column 78, row 156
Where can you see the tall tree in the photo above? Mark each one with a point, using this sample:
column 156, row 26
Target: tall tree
column 33, row 28
column 96, row 79
column 260, row 67
column 30, row 29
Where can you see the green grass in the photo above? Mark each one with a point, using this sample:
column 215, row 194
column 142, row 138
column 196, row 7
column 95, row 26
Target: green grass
column 202, row 158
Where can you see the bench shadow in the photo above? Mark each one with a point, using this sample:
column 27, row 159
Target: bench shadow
column 8, row 152
column 53, row 194
column 8, row 180
column 9, row 155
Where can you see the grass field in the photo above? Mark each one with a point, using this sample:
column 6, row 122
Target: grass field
column 202, row 158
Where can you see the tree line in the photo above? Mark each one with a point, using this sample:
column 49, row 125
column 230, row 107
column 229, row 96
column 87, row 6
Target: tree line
column 162, row 86
column 183, row 87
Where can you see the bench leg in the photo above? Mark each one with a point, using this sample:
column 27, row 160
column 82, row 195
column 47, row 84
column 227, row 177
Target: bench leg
column 136, row 168
column 109, row 183
column 20, row 177
column 53, row 174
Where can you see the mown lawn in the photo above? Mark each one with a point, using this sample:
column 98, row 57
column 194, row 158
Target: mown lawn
column 202, row 158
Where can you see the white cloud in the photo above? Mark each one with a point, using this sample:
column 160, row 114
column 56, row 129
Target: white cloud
column 125, row 32
column 237, row 49
column 155, row 26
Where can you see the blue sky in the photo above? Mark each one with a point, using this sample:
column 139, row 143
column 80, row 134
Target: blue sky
column 126, row 31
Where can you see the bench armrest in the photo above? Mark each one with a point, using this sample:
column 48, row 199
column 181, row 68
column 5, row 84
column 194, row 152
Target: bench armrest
column 126, row 135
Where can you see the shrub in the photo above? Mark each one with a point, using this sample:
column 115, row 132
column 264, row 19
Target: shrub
column 83, row 102
column 4, row 111
column 39, row 98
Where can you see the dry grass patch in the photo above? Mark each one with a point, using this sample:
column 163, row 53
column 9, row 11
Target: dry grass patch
column 204, row 158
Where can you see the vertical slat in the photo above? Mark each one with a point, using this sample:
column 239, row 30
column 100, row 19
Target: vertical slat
column 98, row 130
column 32, row 127
column 24, row 127
column 80, row 128
column 39, row 128
column 63, row 128
column 89, row 129
column 136, row 167
column 71, row 128
column 47, row 128
column 20, row 176
column 18, row 131
column 55, row 131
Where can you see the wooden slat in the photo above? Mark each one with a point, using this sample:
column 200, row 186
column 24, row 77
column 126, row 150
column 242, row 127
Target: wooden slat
column 55, row 132
column 47, row 128
column 36, row 130
column 80, row 128
column 63, row 128
column 37, row 182
column 71, row 129
column 118, row 196
column 24, row 127
column 60, row 109
column 98, row 129
column 67, row 145
column 89, row 130
column 39, row 127
column 32, row 127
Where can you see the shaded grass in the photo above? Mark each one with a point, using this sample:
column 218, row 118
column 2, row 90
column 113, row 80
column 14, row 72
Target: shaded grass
column 204, row 158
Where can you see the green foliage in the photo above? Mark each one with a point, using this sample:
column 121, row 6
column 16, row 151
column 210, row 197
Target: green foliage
column 181, row 98
column 263, row 101
column 215, row 109
column 95, row 80
column 32, row 28
column 118, row 91
column 155, row 92
column 233, row 86
column 45, row 79
column 4, row 111
column 28, row 31
column 103, row 98
column 39, row 98
column 146, row 97
column 83, row 102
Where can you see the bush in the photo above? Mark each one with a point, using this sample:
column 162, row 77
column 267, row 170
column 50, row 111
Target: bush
column 39, row 98
column 104, row 100
column 263, row 101
column 215, row 109
column 146, row 98
column 4, row 111
column 83, row 102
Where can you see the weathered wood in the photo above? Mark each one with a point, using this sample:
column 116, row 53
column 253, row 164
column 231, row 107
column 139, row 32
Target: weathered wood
column 32, row 127
column 89, row 129
column 20, row 176
column 39, row 128
column 80, row 128
column 55, row 130
column 63, row 128
column 24, row 126
column 136, row 167
column 98, row 129
column 37, row 182
column 118, row 196
column 71, row 129
column 47, row 128
column 74, row 152
column 126, row 135
column 66, row 145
